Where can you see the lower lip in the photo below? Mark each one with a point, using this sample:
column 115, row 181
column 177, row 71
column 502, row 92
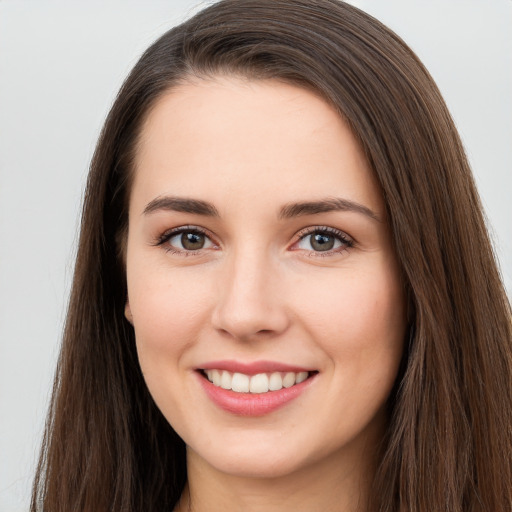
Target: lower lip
column 253, row 404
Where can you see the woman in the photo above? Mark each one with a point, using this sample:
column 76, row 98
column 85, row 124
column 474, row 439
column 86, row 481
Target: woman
column 285, row 296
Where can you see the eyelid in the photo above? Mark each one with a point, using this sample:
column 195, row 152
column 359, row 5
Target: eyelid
column 346, row 240
column 170, row 233
column 323, row 229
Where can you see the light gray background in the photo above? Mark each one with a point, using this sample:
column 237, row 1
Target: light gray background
column 61, row 64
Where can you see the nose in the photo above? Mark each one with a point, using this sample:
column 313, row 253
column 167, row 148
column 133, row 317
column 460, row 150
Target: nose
column 251, row 300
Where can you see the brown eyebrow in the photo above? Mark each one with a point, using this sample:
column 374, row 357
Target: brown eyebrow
column 326, row 205
column 181, row 204
column 199, row 207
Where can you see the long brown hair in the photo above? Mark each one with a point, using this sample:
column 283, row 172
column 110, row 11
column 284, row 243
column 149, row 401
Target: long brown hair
column 449, row 441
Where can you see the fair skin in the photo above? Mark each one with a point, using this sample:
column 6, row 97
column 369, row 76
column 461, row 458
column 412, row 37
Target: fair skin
column 250, row 284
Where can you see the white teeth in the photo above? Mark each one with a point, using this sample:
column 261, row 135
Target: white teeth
column 259, row 383
column 225, row 380
column 276, row 382
column 301, row 377
column 289, row 380
column 215, row 377
column 240, row 383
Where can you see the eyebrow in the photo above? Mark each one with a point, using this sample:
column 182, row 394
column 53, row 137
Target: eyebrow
column 181, row 204
column 288, row 211
column 331, row 204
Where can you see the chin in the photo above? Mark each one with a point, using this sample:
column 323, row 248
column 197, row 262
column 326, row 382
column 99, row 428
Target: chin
column 264, row 463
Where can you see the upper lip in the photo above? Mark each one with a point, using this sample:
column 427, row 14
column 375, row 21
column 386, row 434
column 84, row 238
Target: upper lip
column 253, row 368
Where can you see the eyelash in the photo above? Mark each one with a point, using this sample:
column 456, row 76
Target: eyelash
column 167, row 235
column 346, row 241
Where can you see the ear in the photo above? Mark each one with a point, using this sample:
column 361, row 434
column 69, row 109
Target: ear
column 128, row 312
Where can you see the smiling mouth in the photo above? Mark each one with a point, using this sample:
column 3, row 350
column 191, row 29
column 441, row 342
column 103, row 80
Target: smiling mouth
column 258, row 384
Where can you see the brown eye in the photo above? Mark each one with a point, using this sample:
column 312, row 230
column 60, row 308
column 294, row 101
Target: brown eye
column 322, row 242
column 192, row 241
column 187, row 240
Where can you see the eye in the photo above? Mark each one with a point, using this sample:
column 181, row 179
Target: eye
column 185, row 239
column 326, row 240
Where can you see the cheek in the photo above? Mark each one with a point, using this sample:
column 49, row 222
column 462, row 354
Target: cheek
column 359, row 317
column 168, row 312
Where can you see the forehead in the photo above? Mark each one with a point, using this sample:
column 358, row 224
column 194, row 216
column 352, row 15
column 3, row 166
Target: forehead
column 228, row 136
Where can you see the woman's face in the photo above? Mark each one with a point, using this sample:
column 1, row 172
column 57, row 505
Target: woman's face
column 259, row 258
